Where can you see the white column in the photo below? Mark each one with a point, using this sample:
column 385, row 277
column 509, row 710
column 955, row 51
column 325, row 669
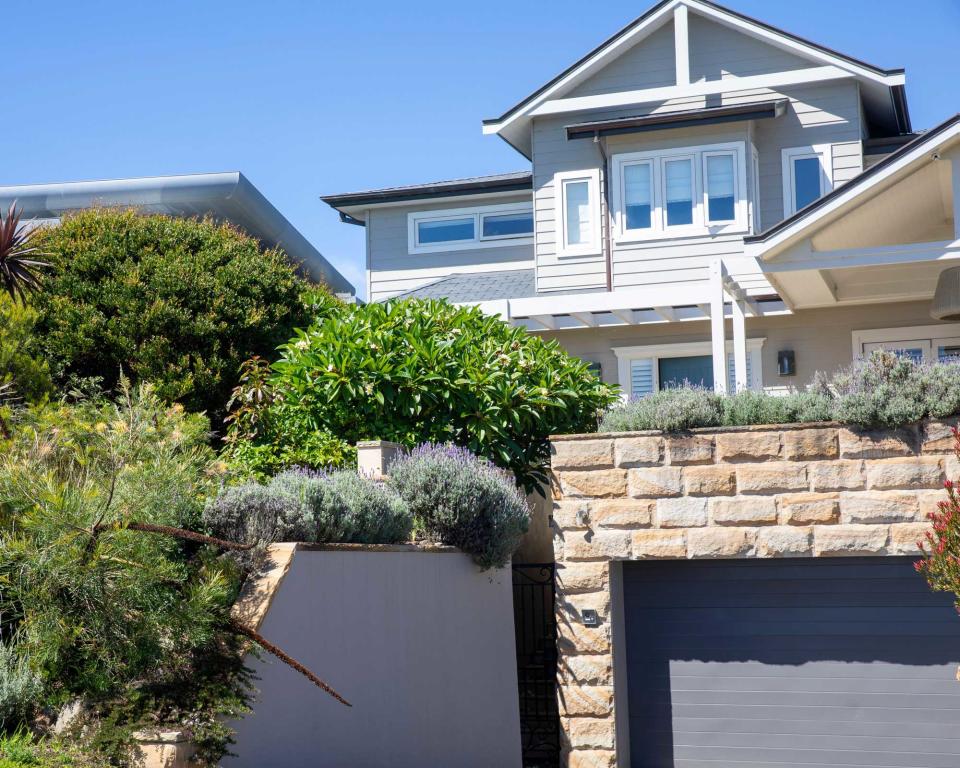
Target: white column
column 717, row 330
column 739, row 347
column 956, row 193
column 681, row 42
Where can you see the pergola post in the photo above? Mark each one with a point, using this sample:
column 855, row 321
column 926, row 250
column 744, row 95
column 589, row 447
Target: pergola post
column 739, row 346
column 717, row 327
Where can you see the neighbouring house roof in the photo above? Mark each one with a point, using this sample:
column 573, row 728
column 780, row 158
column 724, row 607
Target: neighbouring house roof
column 902, row 161
column 352, row 204
column 224, row 196
column 518, row 137
column 475, row 287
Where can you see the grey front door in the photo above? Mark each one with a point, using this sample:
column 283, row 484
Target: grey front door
column 779, row 663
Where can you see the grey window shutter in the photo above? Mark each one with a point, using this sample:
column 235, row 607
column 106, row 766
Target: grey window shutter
column 641, row 377
column 732, row 374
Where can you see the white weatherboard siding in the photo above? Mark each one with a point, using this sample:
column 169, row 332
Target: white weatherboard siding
column 718, row 52
column 393, row 269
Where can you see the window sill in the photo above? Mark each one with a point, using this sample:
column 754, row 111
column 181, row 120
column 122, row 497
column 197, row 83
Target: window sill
column 687, row 233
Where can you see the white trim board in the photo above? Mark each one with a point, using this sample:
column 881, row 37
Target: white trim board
column 478, row 241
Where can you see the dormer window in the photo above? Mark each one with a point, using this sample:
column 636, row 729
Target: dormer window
column 686, row 192
column 807, row 176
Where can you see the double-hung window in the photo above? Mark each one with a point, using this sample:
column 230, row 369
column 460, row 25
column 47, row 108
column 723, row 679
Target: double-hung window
column 577, row 195
column 807, row 176
column 921, row 343
column 464, row 228
column 680, row 193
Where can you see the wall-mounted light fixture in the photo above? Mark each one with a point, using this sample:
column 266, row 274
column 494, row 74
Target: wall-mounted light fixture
column 590, row 618
column 786, row 363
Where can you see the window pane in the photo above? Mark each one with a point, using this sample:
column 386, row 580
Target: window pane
column 637, row 193
column 445, row 231
column 679, row 175
column 577, row 197
column 950, row 354
column 806, row 180
column 506, row 224
column 720, row 202
column 696, row 370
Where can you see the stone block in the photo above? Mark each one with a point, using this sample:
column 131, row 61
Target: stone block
column 654, row 482
column 805, row 444
column 720, row 542
column 929, row 502
column 591, row 758
column 599, row 545
column 912, row 472
column 689, row 449
column 830, row 540
column 937, row 436
column 772, row 477
column 784, row 541
column 585, row 670
column 859, row 443
column 574, row 638
column 715, row 480
column 622, row 513
column 748, row 446
column 749, row 510
column 840, row 475
column 586, row 700
column 582, row 577
column 571, row 514
column 807, row 508
column 654, row 544
column 904, row 537
column 685, row 512
column 637, row 451
column 572, row 606
column 878, row 507
column 588, row 732
column 581, row 454
column 598, row 483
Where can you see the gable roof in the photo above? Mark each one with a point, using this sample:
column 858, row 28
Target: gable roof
column 904, row 160
column 632, row 33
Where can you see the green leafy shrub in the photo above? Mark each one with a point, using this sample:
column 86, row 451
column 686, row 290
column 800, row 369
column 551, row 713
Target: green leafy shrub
column 462, row 500
column 21, row 749
column 20, row 688
column 414, row 371
column 884, row 390
column 302, row 505
column 180, row 303
column 29, row 375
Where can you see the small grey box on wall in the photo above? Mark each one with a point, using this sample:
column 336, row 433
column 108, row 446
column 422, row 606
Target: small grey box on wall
column 590, row 618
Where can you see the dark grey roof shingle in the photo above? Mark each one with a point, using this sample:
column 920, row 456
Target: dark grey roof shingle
column 487, row 286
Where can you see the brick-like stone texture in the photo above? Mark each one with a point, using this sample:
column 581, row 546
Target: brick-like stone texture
column 655, row 482
column 586, row 701
column 929, row 502
column 574, row 638
column 937, row 436
column 720, row 542
column 807, row 508
column 600, row 545
column 596, row 484
column 581, row 454
column 905, row 538
column 582, row 577
column 907, row 472
column 622, row 513
column 784, row 541
column 586, row 670
column 772, row 477
column 571, row 514
column 857, row 443
column 573, row 606
column 637, row 451
column 691, row 449
column 719, row 480
column 685, row 512
column 662, row 543
column 591, row 758
column 588, row 732
column 806, row 444
column 744, row 510
column 878, row 507
column 850, row 539
column 748, row 446
column 841, row 475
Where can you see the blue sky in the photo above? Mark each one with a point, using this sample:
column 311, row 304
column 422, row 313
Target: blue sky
column 308, row 98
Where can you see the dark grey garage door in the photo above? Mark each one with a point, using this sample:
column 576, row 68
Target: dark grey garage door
column 833, row 662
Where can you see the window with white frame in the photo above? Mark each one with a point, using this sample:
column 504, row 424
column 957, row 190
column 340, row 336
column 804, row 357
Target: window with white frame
column 681, row 192
column 807, row 176
column 647, row 369
column 454, row 229
column 577, row 195
column 921, row 343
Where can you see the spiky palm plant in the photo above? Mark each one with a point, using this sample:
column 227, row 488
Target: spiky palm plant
column 19, row 257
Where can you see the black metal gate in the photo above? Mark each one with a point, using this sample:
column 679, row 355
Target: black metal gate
column 536, row 630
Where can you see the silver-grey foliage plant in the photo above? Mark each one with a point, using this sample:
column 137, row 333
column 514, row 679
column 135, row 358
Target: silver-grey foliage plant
column 20, row 687
column 463, row 500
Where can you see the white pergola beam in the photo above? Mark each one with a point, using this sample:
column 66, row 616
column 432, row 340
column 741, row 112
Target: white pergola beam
column 587, row 318
column 547, row 321
column 667, row 313
column 627, row 315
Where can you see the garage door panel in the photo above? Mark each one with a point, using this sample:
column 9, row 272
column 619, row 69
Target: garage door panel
column 834, row 662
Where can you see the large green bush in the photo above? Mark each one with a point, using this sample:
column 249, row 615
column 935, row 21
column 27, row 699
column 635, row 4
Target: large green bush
column 180, row 303
column 28, row 375
column 415, row 371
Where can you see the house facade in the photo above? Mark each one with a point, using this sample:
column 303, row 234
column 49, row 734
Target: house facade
column 708, row 199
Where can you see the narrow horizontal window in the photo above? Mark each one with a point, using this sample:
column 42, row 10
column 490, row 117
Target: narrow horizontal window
column 679, row 192
column 577, row 201
column 507, row 224
column 638, row 195
column 721, row 188
column 445, row 230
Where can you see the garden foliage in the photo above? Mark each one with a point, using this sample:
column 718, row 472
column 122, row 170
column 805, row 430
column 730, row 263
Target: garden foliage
column 412, row 371
column 941, row 545
column 179, row 303
column 884, row 390
column 27, row 375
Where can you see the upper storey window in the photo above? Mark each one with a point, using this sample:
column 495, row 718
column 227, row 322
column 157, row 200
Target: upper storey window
column 807, row 176
column 577, row 195
column 464, row 228
column 680, row 193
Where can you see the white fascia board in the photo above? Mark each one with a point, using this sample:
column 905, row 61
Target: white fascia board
column 359, row 211
column 867, row 257
column 703, row 88
column 849, row 194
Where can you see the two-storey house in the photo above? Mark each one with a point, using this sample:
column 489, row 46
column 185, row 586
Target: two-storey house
column 709, row 199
